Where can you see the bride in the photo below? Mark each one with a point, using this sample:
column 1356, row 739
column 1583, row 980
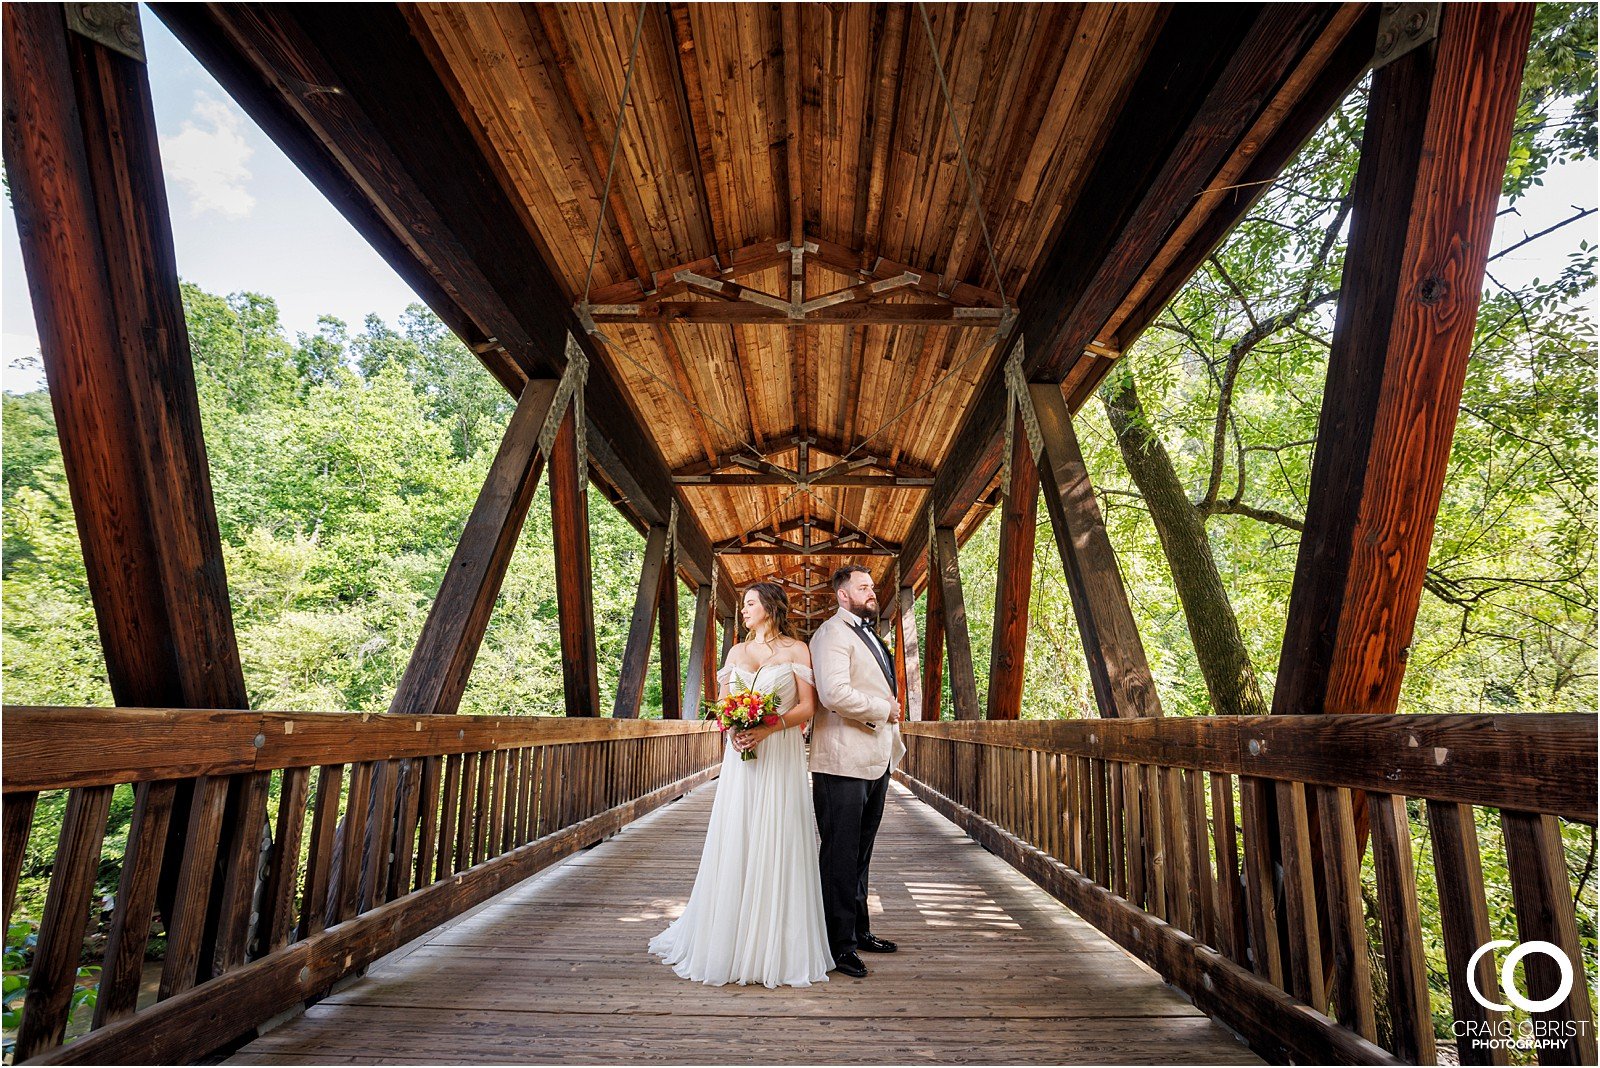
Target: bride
column 755, row 913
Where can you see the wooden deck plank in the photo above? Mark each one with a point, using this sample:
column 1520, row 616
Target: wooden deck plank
column 557, row 969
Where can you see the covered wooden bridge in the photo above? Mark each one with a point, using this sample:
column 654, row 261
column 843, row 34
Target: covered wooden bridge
column 788, row 285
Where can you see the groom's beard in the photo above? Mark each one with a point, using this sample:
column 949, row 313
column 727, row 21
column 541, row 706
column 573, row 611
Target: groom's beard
column 862, row 612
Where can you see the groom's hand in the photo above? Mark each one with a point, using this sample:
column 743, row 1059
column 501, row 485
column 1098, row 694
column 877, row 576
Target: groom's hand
column 894, row 710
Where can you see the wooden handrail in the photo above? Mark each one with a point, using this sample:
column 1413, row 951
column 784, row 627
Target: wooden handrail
column 1188, row 841
column 1540, row 762
column 384, row 826
column 53, row 748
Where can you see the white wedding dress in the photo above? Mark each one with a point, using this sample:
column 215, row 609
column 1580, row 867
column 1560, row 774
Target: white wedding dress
column 755, row 913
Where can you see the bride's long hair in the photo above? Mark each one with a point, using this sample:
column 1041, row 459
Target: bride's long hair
column 776, row 602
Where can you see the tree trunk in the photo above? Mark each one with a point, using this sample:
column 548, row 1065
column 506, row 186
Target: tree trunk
column 1224, row 661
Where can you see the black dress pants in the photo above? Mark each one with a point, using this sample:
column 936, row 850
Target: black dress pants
column 848, row 813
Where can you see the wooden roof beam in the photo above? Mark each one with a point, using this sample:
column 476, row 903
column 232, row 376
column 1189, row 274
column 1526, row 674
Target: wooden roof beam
column 789, row 18
column 890, row 53
column 692, row 102
column 842, row 474
column 1348, row 59
column 734, row 264
column 789, row 526
column 680, row 377
column 681, row 278
column 1208, row 77
column 751, row 312
column 549, row 38
column 725, row 463
column 778, row 478
column 790, row 549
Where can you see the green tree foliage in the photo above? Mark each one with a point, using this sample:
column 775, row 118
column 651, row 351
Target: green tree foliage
column 343, row 469
column 1229, row 383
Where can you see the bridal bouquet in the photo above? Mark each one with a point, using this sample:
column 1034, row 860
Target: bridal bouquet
column 742, row 711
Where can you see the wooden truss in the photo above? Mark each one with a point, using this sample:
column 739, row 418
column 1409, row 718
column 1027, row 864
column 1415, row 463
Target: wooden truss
column 708, row 291
column 850, row 540
column 856, row 471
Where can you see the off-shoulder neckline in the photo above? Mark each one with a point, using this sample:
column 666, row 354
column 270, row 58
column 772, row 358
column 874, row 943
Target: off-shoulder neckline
column 736, row 669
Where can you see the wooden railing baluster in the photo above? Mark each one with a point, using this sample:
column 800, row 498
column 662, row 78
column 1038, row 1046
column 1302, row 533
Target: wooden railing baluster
column 1352, row 971
column 240, row 870
column 408, row 813
column 1260, row 897
column 1546, row 913
column 1402, row 928
column 346, row 890
column 278, row 898
column 1231, row 923
column 510, row 821
column 1464, row 918
column 450, row 815
column 186, row 928
column 464, row 812
column 482, row 814
column 319, row 862
column 1202, row 899
column 1176, row 841
column 1155, row 806
column 1300, row 904
column 379, row 837
column 48, row 1002
column 1119, row 845
column 1133, row 821
column 1099, row 823
column 428, row 824
column 497, row 805
column 18, row 822
column 136, row 898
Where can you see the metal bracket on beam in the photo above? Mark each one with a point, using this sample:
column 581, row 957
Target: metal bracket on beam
column 1403, row 28
column 114, row 25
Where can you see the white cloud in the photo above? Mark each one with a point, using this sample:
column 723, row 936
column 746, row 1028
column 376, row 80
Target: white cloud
column 209, row 159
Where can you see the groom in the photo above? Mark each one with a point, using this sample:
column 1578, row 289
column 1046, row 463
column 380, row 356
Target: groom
column 855, row 741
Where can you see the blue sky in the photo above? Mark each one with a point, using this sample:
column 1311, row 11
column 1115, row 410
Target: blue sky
column 244, row 218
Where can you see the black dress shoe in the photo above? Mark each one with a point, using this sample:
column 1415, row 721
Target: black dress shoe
column 851, row 965
column 874, row 944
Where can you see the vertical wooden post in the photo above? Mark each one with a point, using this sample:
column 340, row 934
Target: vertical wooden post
column 436, row 675
column 907, row 656
column 958, row 645
column 702, row 670
column 1432, row 158
column 85, row 178
column 933, row 648
column 636, row 657
column 84, row 172
column 712, row 655
column 569, row 529
column 1123, row 685
column 730, row 632
column 667, row 624
column 1426, row 191
column 1014, row 584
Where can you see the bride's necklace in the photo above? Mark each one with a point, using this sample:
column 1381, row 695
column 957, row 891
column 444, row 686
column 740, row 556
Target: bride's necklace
column 768, row 643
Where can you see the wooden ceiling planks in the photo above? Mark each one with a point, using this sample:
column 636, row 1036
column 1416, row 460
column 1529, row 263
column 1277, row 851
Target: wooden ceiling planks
column 721, row 113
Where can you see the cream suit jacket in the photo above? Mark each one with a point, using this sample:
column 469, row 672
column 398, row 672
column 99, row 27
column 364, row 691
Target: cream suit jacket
column 851, row 734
